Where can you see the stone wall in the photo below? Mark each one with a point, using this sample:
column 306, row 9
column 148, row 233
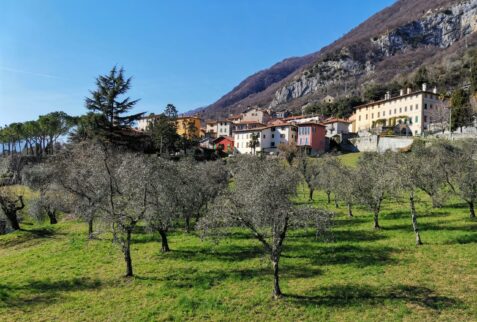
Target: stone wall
column 374, row 143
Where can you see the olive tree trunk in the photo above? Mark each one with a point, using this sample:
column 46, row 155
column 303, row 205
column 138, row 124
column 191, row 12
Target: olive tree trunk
column 52, row 217
column 328, row 194
column 12, row 219
column 414, row 219
column 311, row 194
column 277, row 292
column 164, row 243
column 127, row 254
column 471, row 209
column 90, row 228
column 350, row 210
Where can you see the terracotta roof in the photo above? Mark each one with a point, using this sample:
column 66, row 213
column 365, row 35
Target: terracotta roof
column 394, row 98
column 335, row 120
column 248, row 122
column 294, row 117
column 223, row 137
column 310, row 123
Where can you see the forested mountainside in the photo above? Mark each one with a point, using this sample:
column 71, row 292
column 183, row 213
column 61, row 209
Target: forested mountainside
column 388, row 47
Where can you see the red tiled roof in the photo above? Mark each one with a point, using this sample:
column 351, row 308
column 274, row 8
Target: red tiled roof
column 335, row 120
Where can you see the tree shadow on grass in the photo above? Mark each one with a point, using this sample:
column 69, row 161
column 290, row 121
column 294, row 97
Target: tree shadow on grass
column 351, row 295
column 43, row 292
column 34, row 236
column 349, row 236
column 358, row 256
column 445, row 226
column 229, row 254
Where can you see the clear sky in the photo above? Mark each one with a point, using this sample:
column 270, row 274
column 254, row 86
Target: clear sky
column 185, row 52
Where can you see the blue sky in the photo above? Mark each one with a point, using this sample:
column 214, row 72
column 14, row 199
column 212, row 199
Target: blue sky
column 185, row 52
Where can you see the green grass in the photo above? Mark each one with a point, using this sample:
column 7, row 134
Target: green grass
column 56, row 274
column 350, row 159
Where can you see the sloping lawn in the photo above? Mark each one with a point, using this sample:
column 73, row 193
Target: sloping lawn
column 353, row 274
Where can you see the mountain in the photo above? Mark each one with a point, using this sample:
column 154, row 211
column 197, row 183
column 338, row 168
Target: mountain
column 387, row 47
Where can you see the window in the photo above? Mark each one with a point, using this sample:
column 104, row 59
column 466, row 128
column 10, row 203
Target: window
column 366, row 116
column 273, row 136
column 359, row 118
column 400, row 110
column 417, row 107
column 405, row 108
column 272, row 144
column 372, row 115
column 379, row 114
column 384, row 113
column 425, row 106
column 264, row 136
column 430, row 107
column 417, row 119
column 301, row 141
column 410, row 108
column 306, row 141
column 273, row 129
column 282, row 135
column 395, row 111
column 425, row 118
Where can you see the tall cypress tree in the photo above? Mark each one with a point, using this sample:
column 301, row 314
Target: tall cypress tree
column 112, row 121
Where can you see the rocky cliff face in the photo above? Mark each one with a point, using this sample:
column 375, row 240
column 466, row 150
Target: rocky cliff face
column 439, row 28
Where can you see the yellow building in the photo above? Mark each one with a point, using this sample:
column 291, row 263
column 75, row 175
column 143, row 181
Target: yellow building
column 188, row 126
column 412, row 110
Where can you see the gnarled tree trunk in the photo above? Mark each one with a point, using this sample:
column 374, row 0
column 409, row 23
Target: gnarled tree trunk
column 12, row 219
column 52, row 217
column 164, row 243
column 311, row 194
column 328, row 194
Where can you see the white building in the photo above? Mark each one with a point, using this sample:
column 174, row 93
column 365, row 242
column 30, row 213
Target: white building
column 269, row 138
column 255, row 115
column 411, row 110
column 242, row 139
column 336, row 126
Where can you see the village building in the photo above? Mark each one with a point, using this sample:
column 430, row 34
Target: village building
column 189, row 126
column 255, row 115
column 312, row 137
column 246, row 125
column 411, row 112
column 273, row 136
column 336, row 126
column 211, row 128
column 224, row 143
column 242, row 139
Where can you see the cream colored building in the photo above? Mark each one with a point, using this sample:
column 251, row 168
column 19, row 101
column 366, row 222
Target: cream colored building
column 412, row 111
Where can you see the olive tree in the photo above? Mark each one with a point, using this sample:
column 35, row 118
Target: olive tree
column 125, row 201
column 51, row 198
column 310, row 171
column 373, row 182
column 345, row 187
column 328, row 178
column 11, row 200
column 408, row 172
column 260, row 201
column 163, row 198
column 79, row 171
column 464, row 175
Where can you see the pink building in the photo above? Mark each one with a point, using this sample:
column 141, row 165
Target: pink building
column 312, row 137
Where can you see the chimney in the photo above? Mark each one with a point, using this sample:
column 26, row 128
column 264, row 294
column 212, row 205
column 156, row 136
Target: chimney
column 401, row 92
column 434, row 90
column 388, row 95
column 409, row 90
column 424, row 87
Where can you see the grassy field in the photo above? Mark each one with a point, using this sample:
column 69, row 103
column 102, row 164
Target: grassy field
column 55, row 274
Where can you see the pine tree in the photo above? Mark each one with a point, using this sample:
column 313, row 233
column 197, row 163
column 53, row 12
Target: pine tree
column 112, row 121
